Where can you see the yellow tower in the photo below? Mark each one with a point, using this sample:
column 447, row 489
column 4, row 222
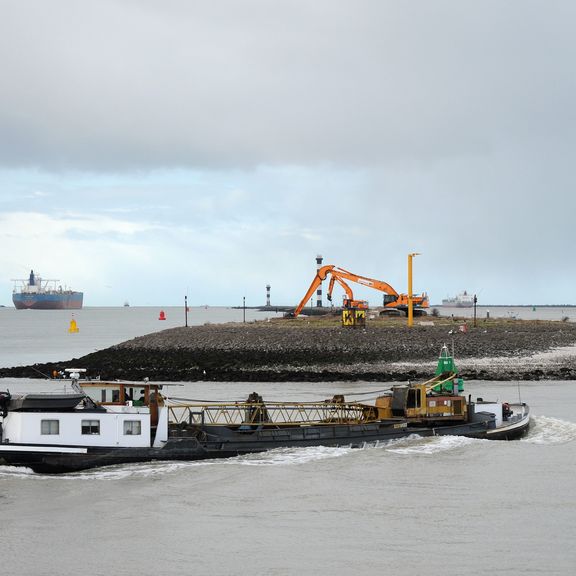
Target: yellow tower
column 410, row 293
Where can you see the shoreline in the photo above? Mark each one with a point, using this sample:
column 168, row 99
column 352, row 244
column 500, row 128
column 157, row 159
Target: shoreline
column 320, row 349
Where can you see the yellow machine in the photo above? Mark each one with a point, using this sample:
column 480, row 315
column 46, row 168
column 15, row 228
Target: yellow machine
column 353, row 317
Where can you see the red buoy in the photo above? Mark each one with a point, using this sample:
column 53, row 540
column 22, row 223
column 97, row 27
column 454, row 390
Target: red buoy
column 162, row 315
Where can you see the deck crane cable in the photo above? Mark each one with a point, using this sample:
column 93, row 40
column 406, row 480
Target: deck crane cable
column 177, row 399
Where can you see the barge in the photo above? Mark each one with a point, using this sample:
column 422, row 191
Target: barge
column 104, row 423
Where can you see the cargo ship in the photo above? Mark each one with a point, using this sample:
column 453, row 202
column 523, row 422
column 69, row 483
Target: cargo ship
column 39, row 294
column 462, row 300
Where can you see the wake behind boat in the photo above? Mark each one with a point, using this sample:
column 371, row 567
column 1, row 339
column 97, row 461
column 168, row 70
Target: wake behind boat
column 107, row 423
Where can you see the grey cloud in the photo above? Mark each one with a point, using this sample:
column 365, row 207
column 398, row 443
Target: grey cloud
column 119, row 85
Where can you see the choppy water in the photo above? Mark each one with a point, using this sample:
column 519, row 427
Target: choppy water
column 437, row 506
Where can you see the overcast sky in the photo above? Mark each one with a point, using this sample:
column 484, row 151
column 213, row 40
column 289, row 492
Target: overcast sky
column 152, row 149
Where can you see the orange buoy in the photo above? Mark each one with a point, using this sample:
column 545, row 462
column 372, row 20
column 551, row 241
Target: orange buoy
column 162, row 315
column 73, row 327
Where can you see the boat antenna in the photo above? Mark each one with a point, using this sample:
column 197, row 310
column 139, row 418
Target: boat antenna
column 519, row 395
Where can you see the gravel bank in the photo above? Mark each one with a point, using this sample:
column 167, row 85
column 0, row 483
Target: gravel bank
column 321, row 350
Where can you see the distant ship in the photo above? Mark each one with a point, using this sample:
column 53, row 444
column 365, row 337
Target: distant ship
column 39, row 294
column 462, row 300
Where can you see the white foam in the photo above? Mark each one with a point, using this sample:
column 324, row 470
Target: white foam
column 13, row 471
column 430, row 445
column 546, row 430
column 279, row 457
column 290, row 456
column 142, row 470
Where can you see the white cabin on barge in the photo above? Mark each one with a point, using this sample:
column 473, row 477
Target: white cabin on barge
column 102, row 415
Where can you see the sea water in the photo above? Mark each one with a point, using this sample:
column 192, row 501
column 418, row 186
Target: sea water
column 445, row 506
column 37, row 336
column 436, row 506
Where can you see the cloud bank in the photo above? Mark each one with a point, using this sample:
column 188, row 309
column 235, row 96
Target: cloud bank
column 148, row 149
column 123, row 85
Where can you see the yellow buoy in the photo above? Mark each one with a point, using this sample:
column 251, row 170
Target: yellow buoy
column 73, row 327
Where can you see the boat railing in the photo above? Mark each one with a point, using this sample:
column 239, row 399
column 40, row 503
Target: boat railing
column 271, row 413
column 519, row 412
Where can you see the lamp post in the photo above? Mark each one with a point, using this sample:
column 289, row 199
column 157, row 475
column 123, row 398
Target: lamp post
column 186, row 311
column 475, row 300
column 244, row 309
column 410, row 294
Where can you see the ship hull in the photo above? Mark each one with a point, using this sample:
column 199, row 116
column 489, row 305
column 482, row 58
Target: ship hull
column 57, row 301
column 222, row 442
column 66, row 459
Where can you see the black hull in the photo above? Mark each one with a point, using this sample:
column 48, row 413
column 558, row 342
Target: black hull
column 223, row 442
column 59, row 463
column 355, row 436
column 512, row 432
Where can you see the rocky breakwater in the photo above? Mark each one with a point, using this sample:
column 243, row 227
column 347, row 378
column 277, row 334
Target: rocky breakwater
column 322, row 350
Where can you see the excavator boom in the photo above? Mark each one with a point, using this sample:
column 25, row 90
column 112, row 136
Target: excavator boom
column 318, row 279
column 365, row 281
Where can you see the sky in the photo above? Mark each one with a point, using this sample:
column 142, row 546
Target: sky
column 152, row 149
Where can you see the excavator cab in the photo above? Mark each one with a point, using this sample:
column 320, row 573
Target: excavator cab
column 358, row 304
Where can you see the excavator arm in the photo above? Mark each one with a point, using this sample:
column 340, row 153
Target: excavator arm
column 349, row 301
column 365, row 281
column 345, row 287
column 318, row 279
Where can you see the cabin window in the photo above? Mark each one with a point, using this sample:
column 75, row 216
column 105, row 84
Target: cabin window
column 93, row 393
column 139, row 398
column 104, row 395
column 51, row 427
column 132, row 427
column 90, row 426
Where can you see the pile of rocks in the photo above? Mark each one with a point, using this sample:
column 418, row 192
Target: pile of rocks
column 302, row 351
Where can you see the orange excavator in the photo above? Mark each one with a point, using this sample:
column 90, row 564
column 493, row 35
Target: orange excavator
column 392, row 299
